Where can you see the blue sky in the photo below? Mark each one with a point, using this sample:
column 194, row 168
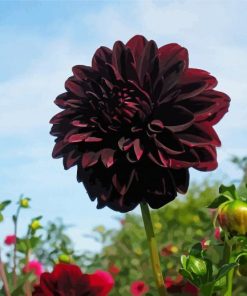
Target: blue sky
column 42, row 40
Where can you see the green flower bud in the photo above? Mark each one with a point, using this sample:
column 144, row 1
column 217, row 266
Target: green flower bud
column 63, row 258
column 24, row 202
column 232, row 217
column 35, row 225
column 196, row 265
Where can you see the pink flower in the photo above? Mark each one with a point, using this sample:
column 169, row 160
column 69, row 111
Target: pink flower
column 217, row 233
column 103, row 277
column 33, row 266
column 10, row 240
column 139, row 288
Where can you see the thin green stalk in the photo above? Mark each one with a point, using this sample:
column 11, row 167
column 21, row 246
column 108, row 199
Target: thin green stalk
column 228, row 259
column 154, row 254
column 15, row 218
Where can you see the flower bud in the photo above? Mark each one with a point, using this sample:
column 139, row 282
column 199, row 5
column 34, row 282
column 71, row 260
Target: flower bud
column 35, row 225
column 232, row 217
column 24, row 202
column 196, row 265
column 63, row 258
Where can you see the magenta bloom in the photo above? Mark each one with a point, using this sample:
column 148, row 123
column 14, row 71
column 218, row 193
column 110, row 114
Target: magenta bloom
column 33, row 266
column 135, row 121
column 139, row 288
column 10, row 240
column 67, row 279
column 217, row 233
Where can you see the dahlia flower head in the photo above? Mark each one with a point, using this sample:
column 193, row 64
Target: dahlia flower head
column 135, row 121
column 68, row 280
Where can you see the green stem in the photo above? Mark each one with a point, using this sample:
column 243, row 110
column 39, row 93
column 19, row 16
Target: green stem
column 228, row 259
column 153, row 249
column 15, row 246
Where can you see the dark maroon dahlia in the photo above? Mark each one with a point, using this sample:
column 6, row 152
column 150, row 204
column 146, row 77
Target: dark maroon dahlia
column 135, row 122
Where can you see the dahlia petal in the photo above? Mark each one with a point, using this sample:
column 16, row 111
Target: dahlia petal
column 75, row 138
column 125, row 143
column 102, row 55
column 168, row 80
column 195, row 81
column 78, row 123
column 122, row 182
column 107, row 155
column 65, row 114
column 146, row 61
column 199, row 134
column 138, row 148
column 82, row 72
column 156, row 126
column 219, row 106
column 208, row 160
column 122, row 61
column 74, row 86
column 71, row 159
column 216, row 117
column 58, row 149
column 158, row 157
column 185, row 160
column 93, row 139
column 169, row 142
column 160, row 190
column 61, row 100
column 90, row 159
column 170, row 55
column 181, row 179
column 176, row 118
column 137, row 45
column 47, row 285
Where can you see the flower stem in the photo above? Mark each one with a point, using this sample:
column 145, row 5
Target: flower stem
column 153, row 249
column 3, row 277
column 228, row 259
column 15, row 218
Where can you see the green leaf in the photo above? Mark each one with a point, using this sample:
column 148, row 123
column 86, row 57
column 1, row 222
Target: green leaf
column 4, row 204
column 187, row 275
column 221, row 283
column 229, row 191
column 196, row 250
column 19, row 290
column 184, row 261
column 218, row 201
column 21, row 246
column 34, row 241
column 1, row 217
column 224, row 270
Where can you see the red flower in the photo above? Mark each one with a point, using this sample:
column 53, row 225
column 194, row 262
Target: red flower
column 33, row 266
column 113, row 269
column 10, row 240
column 217, row 233
column 68, row 280
column 204, row 244
column 180, row 286
column 135, row 121
column 139, row 288
column 168, row 250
